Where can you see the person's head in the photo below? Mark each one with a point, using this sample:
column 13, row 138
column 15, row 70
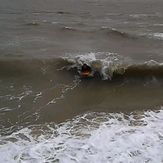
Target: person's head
column 85, row 67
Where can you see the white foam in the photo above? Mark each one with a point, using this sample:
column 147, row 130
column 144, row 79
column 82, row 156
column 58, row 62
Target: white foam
column 81, row 59
column 141, row 15
column 153, row 63
column 157, row 35
column 93, row 137
column 103, row 62
column 158, row 25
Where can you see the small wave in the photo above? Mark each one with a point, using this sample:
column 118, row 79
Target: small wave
column 116, row 32
column 158, row 36
column 158, row 25
column 67, row 28
column 107, row 31
column 140, row 16
column 92, row 137
column 33, row 23
column 111, row 32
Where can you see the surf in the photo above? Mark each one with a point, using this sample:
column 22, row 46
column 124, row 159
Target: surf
column 104, row 65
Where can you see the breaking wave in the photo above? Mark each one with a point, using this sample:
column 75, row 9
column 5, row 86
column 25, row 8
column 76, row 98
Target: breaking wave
column 92, row 137
column 106, row 65
column 111, row 65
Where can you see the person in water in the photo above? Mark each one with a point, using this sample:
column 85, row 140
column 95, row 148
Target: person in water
column 86, row 70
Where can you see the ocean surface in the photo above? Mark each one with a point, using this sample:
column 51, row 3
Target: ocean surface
column 49, row 114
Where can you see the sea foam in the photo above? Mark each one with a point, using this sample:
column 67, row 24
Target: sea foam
column 92, row 137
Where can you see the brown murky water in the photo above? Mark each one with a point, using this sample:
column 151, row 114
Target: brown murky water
column 43, row 45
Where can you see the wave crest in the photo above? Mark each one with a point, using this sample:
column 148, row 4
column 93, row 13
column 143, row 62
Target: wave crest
column 106, row 65
column 111, row 65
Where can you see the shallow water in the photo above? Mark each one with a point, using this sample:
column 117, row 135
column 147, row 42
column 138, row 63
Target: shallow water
column 48, row 113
